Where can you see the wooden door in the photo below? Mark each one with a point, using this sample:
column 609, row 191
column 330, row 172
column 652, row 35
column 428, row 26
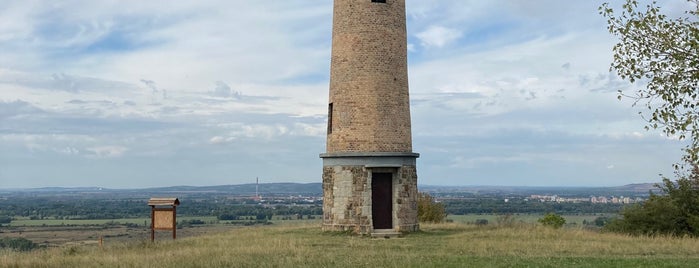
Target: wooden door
column 382, row 200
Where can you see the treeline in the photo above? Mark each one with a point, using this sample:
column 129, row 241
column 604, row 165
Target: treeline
column 44, row 208
column 224, row 209
column 513, row 206
column 238, row 212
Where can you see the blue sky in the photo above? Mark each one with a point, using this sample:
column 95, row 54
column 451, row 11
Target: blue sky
column 129, row 94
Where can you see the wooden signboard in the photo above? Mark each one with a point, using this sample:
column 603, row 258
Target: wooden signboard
column 163, row 215
column 164, row 219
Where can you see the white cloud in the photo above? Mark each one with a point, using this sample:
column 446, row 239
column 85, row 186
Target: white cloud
column 224, row 90
column 68, row 151
column 107, row 151
column 314, row 130
column 220, row 140
column 438, row 36
column 411, row 48
column 509, row 89
column 217, row 140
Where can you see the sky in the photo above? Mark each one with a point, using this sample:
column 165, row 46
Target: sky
column 131, row 94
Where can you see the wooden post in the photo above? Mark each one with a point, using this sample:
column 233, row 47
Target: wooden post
column 174, row 222
column 152, row 223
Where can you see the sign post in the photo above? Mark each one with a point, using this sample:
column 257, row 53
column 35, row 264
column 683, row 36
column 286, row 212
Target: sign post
column 163, row 215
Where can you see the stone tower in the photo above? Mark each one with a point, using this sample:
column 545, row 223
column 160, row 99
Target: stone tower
column 369, row 174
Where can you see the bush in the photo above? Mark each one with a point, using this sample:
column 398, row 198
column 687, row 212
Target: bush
column 505, row 220
column 21, row 244
column 675, row 212
column 228, row 217
column 428, row 210
column 602, row 221
column 553, row 220
column 481, row 222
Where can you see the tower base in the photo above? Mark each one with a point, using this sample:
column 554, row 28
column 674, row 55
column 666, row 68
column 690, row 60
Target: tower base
column 363, row 192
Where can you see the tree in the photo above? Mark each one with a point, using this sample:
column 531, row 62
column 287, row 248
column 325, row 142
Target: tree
column 662, row 52
column 428, row 210
column 674, row 212
column 553, row 220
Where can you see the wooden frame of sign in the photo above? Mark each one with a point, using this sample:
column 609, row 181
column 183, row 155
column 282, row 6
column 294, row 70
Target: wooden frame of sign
column 163, row 215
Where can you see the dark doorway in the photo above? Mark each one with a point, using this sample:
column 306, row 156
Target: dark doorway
column 382, row 200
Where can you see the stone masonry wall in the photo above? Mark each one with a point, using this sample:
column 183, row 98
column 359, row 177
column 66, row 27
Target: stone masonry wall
column 406, row 200
column 347, row 199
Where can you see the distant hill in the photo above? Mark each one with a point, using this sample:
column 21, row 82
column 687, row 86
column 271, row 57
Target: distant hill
column 638, row 187
column 625, row 190
column 316, row 189
column 247, row 189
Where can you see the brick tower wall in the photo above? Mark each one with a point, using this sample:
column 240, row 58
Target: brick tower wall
column 369, row 78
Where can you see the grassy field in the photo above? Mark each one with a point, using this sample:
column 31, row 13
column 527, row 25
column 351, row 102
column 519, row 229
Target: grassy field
column 470, row 218
column 140, row 221
column 521, row 218
column 56, row 233
column 446, row 245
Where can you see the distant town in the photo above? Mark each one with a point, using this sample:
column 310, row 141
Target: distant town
column 591, row 199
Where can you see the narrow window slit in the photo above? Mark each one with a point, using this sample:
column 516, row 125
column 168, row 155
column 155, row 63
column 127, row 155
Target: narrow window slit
column 330, row 118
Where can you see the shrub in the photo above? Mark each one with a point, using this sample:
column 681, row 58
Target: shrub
column 675, row 212
column 21, row 244
column 553, row 220
column 481, row 222
column 505, row 220
column 602, row 221
column 428, row 210
column 228, row 217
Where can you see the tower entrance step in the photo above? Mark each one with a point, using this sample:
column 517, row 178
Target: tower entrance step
column 385, row 233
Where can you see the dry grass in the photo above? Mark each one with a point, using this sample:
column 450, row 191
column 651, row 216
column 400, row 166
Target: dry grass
column 446, row 245
column 536, row 241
